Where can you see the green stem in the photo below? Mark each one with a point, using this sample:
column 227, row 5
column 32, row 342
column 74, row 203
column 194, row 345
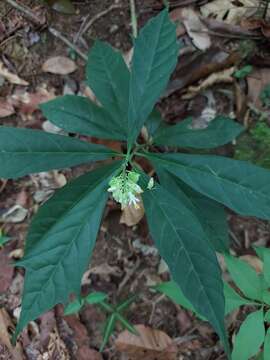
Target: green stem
column 133, row 19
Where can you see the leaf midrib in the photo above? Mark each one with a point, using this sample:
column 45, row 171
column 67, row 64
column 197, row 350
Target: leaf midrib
column 187, row 254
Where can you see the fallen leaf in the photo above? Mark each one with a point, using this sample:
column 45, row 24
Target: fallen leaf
column 27, row 103
column 7, row 270
column 257, row 80
column 112, row 144
column 132, row 215
column 229, row 11
column 5, row 325
column 150, row 344
column 12, row 78
column 15, row 214
column 62, row 6
column 225, row 76
column 6, row 108
column 196, row 29
column 60, row 65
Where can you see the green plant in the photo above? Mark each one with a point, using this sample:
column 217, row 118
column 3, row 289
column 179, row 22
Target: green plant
column 115, row 312
column 254, row 292
column 3, row 239
column 184, row 208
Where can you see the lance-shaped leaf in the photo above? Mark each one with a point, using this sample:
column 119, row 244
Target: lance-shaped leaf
column 25, row 151
column 211, row 215
column 154, row 59
column 220, row 131
column 239, row 185
column 233, row 300
column 60, row 242
column 183, row 245
column 78, row 114
column 108, row 76
column 250, row 337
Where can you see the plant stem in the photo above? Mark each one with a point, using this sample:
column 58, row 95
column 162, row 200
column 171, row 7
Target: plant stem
column 134, row 23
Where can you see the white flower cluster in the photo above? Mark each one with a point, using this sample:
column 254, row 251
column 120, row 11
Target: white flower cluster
column 125, row 188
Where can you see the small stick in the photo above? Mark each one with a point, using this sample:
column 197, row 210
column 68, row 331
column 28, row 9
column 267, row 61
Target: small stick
column 133, row 19
column 97, row 17
column 28, row 13
column 58, row 35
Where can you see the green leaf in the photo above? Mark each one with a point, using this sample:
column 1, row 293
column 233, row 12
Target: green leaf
column 233, row 300
column 60, row 242
column 243, row 72
column 220, row 131
column 74, row 306
column 154, row 59
column 153, row 122
column 25, row 151
column 95, row 297
column 211, row 215
column 108, row 76
column 182, row 243
column 266, row 349
column 250, row 337
column 77, row 114
column 239, row 185
column 245, row 277
column 264, row 254
column 108, row 330
column 267, row 316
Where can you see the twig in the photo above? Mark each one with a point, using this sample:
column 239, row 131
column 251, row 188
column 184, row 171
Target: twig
column 58, row 35
column 27, row 12
column 97, row 17
column 133, row 19
column 31, row 16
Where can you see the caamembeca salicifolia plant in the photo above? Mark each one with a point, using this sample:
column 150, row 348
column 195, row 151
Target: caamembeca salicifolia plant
column 184, row 204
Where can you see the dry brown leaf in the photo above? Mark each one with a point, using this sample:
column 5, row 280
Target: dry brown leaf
column 224, row 76
column 196, row 29
column 12, row 78
column 257, row 81
column 6, row 108
column 151, row 344
column 6, row 271
column 230, row 11
column 5, row 324
column 132, row 215
column 27, row 103
column 254, row 261
column 60, row 65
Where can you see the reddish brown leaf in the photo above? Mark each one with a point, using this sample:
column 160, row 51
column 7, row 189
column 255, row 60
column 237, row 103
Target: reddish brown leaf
column 6, row 108
column 151, row 344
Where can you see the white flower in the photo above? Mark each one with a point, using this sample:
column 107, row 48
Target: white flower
column 125, row 188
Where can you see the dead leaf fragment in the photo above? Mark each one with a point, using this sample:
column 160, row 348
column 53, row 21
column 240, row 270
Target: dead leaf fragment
column 132, row 215
column 5, row 324
column 60, row 65
column 12, row 78
column 196, row 29
column 253, row 261
column 6, row 271
column 151, row 344
column 257, row 81
column 6, row 108
column 15, row 214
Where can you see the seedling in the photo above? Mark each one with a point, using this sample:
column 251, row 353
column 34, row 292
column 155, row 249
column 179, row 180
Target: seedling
column 184, row 205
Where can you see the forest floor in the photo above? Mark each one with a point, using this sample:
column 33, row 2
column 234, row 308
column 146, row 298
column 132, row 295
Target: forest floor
column 125, row 261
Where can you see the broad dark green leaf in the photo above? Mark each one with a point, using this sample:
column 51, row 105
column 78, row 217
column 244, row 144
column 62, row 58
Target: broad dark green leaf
column 154, row 59
column 266, row 348
column 211, row 215
column 153, row 122
column 78, row 114
column 183, row 245
column 220, row 131
column 108, row 76
column 239, row 185
column 60, row 242
column 233, row 300
column 25, row 151
column 264, row 254
column 245, row 277
column 250, row 337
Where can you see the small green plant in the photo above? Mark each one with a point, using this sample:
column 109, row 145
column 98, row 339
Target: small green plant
column 265, row 96
column 184, row 205
column 115, row 313
column 254, row 292
column 3, row 239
